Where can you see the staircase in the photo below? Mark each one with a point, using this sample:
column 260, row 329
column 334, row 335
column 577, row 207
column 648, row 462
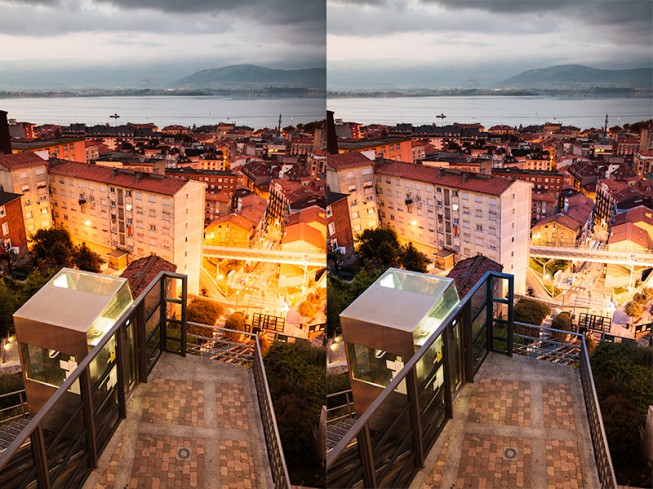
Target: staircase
column 336, row 431
column 10, row 430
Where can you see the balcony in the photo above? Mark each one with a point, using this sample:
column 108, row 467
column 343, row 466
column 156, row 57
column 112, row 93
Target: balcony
column 505, row 407
column 172, row 405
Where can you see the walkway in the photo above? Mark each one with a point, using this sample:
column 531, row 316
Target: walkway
column 599, row 256
column 195, row 423
column 522, row 423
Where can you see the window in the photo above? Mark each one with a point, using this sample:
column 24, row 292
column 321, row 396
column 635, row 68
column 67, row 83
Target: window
column 153, row 227
column 355, row 215
column 352, row 188
column 3, row 212
column 329, row 211
column 332, row 229
column 25, row 188
column 23, row 174
column 479, row 228
column 5, row 229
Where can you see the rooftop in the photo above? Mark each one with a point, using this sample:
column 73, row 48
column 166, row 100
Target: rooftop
column 344, row 161
column 17, row 161
column 122, row 178
column 448, row 178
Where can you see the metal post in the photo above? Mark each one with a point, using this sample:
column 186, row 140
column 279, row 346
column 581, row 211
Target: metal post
column 448, row 398
column 184, row 303
column 40, row 458
column 415, row 423
column 139, row 332
column 121, row 353
column 87, row 402
column 163, row 317
column 367, row 457
column 468, row 347
column 511, row 307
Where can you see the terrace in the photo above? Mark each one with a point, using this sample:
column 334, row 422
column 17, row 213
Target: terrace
column 138, row 412
column 484, row 402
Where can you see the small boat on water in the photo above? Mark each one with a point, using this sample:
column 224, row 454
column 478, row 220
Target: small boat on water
column 441, row 116
column 114, row 116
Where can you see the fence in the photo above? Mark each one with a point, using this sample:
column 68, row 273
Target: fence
column 14, row 406
column 387, row 445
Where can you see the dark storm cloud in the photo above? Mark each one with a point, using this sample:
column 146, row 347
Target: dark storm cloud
column 275, row 10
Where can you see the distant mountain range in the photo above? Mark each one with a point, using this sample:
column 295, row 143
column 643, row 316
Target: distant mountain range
column 579, row 76
column 253, row 77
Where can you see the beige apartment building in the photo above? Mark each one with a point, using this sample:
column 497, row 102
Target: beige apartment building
column 466, row 213
column 126, row 215
column 26, row 174
column 353, row 174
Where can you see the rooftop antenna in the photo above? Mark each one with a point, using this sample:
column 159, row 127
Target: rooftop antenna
column 279, row 127
column 605, row 129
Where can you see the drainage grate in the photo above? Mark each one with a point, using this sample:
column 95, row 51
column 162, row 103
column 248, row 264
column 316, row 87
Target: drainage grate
column 183, row 453
column 510, row 453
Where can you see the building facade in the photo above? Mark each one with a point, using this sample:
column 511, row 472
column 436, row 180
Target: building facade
column 26, row 174
column 12, row 225
column 469, row 214
column 353, row 174
column 123, row 213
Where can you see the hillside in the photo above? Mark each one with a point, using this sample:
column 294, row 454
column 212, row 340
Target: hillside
column 253, row 77
column 579, row 76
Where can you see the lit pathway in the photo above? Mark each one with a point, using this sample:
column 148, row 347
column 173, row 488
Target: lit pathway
column 194, row 424
column 521, row 424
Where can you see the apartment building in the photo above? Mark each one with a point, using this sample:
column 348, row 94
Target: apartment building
column 469, row 214
column 353, row 174
column 72, row 149
column 400, row 149
column 126, row 215
column 26, row 174
column 12, row 227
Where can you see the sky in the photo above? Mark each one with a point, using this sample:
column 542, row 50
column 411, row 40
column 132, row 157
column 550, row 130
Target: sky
column 100, row 43
column 439, row 43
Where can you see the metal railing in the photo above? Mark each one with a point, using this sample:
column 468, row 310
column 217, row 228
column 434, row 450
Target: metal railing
column 387, row 445
column 16, row 410
column 572, row 352
column 62, row 442
column 340, row 410
column 243, row 348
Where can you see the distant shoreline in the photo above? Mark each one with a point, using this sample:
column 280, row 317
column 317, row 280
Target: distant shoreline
column 263, row 93
column 597, row 92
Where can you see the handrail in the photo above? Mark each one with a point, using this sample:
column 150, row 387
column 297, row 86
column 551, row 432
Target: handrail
column 592, row 407
column 38, row 417
column 22, row 404
column 266, row 407
column 362, row 422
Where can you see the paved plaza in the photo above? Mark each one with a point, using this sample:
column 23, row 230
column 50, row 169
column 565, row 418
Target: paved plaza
column 195, row 424
column 521, row 424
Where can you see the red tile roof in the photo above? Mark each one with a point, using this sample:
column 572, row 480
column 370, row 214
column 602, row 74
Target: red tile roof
column 17, row 161
column 122, row 178
column 344, row 161
column 629, row 232
column 468, row 272
column 302, row 232
column 474, row 182
column 140, row 273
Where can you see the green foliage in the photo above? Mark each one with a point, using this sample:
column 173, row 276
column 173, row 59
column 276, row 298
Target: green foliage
column 204, row 311
column 54, row 246
column 340, row 294
column 413, row 259
column 296, row 373
column 235, row 321
column 86, row 259
column 531, row 311
column 337, row 383
column 14, row 294
column 623, row 374
column 307, row 309
column 633, row 309
column 562, row 321
column 379, row 245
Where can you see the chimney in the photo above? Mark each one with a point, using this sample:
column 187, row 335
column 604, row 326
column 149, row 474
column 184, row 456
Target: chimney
column 5, row 138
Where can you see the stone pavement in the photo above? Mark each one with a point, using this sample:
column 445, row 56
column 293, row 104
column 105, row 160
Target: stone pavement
column 521, row 424
column 195, row 423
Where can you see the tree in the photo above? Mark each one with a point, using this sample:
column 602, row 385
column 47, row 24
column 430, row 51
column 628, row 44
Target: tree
column 204, row 311
column 563, row 322
column 236, row 322
column 413, row 259
column 87, row 259
column 380, row 246
column 8, row 306
column 307, row 309
column 633, row 309
column 531, row 311
column 53, row 245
